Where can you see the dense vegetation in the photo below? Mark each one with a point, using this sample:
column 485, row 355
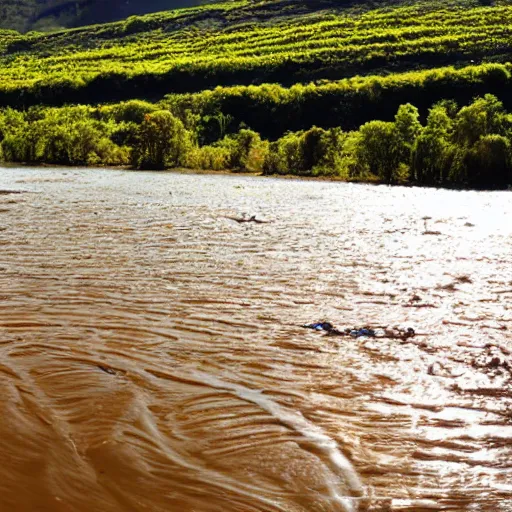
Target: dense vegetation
column 278, row 86
column 456, row 147
column 191, row 50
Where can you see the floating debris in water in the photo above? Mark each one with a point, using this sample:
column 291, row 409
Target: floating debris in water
column 320, row 326
column 253, row 218
column 107, row 369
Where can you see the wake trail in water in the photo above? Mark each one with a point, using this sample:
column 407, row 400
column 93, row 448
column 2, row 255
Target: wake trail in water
column 322, row 443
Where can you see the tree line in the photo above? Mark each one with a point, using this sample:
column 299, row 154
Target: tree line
column 345, row 103
column 460, row 147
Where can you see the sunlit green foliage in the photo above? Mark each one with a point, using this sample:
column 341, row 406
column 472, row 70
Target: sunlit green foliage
column 162, row 141
column 214, row 158
column 457, row 147
column 196, row 49
column 446, row 152
column 59, row 136
column 315, row 152
column 248, row 151
column 433, row 151
column 332, row 88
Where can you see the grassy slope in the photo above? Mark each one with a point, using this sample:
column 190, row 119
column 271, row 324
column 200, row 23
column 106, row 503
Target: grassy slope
column 400, row 47
column 245, row 42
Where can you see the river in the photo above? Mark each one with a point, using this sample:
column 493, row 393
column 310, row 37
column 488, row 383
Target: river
column 152, row 356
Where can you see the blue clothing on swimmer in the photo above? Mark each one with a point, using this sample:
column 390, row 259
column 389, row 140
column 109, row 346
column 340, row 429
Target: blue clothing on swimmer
column 320, row 326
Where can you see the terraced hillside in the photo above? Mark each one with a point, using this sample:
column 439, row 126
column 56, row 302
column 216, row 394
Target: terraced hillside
column 273, row 66
column 244, row 42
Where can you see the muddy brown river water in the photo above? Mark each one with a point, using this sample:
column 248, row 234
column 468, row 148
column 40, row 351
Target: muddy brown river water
column 152, row 359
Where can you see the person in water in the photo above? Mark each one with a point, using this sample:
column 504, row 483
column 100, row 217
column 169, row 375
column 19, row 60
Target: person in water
column 320, row 326
column 394, row 333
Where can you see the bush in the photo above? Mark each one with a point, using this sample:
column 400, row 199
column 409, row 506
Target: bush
column 248, row 152
column 284, row 156
column 487, row 164
column 67, row 136
column 214, row 158
column 466, row 147
column 433, row 152
column 380, row 150
column 133, row 111
column 162, row 142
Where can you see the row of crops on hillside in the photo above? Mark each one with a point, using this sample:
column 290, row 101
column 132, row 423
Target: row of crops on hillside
column 191, row 57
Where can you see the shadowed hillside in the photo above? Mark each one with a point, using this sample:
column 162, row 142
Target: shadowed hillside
column 25, row 15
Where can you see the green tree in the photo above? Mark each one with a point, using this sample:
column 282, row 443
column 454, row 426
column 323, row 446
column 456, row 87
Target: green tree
column 284, row 155
column 380, row 150
column 433, row 151
column 248, row 151
column 132, row 111
column 407, row 124
column 482, row 156
column 312, row 148
column 484, row 116
column 330, row 155
column 162, row 141
column 488, row 163
column 22, row 145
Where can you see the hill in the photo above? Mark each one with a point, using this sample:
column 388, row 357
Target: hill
column 248, row 43
column 275, row 67
column 24, row 15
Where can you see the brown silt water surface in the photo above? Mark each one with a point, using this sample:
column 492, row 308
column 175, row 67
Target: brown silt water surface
column 152, row 356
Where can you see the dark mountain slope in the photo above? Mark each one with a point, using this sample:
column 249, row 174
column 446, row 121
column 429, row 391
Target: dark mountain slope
column 25, row 15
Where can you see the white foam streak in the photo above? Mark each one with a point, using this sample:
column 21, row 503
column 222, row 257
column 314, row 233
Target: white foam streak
column 340, row 466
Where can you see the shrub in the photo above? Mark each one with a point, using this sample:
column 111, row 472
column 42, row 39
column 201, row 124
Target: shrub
column 162, row 141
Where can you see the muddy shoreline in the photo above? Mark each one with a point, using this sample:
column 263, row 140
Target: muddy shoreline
column 185, row 171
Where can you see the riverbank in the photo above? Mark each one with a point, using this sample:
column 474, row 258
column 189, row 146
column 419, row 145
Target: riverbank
column 227, row 172
column 452, row 149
